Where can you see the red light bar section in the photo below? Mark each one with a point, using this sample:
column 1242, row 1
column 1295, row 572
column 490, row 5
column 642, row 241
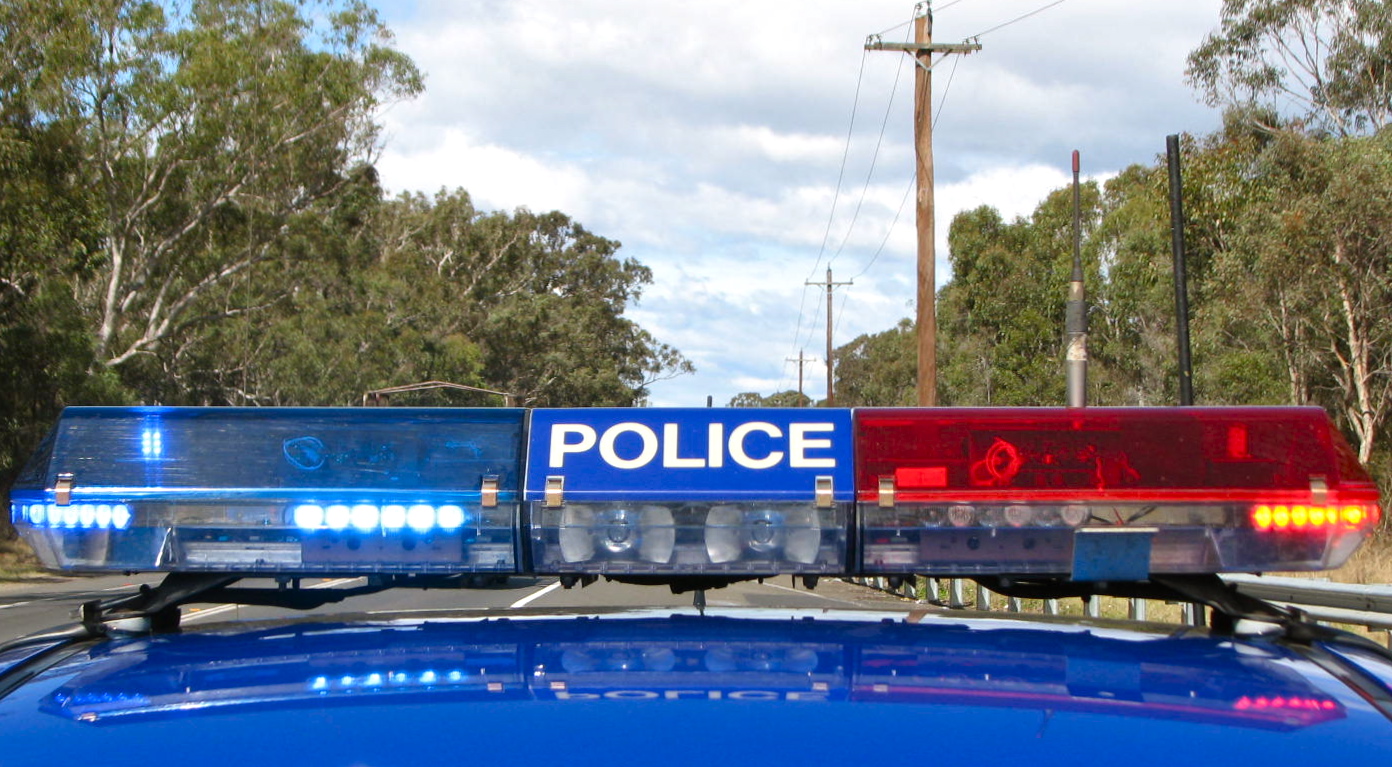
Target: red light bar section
column 1285, row 457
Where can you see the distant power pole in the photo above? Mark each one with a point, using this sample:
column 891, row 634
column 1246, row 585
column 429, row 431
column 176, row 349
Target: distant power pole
column 830, row 399
column 801, row 360
column 922, row 49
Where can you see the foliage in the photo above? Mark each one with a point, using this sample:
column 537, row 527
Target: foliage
column 1330, row 58
column 189, row 215
column 879, row 368
column 788, row 398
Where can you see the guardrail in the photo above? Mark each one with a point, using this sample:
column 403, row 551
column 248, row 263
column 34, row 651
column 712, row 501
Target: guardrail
column 1323, row 601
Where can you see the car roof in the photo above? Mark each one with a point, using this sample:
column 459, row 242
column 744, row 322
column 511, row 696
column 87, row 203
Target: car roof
column 729, row 687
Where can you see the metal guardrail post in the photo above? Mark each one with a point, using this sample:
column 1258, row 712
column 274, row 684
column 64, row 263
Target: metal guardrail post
column 983, row 598
column 1137, row 611
column 1051, row 607
column 930, row 591
column 1092, row 607
column 1013, row 604
column 956, row 594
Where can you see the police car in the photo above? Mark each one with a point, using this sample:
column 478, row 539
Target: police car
column 1032, row 502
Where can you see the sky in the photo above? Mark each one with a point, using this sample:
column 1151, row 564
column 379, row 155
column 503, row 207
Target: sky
column 739, row 148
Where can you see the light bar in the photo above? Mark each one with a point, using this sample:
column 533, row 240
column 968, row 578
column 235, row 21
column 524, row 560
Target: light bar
column 657, row 494
column 268, row 490
column 1107, row 493
column 689, row 491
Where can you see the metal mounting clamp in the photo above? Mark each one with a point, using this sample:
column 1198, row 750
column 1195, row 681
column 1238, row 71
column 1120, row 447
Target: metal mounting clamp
column 887, row 492
column 555, row 492
column 62, row 489
column 489, row 493
column 825, row 497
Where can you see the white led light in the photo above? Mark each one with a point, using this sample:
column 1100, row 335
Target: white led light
column 87, row 515
column 336, row 516
column 1074, row 515
column 450, row 517
column 309, row 516
column 1018, row 515
column 69, row 516
column 120, row 516
column 393, row 517
column 960, row 516
column 365, row 516
column 103, row 515
column 420, row 517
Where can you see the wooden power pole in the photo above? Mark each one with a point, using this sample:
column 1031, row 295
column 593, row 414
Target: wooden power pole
column 801, row 360
column 922, row 49
column 830, row 398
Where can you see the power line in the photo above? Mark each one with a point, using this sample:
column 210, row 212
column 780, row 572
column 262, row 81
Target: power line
column 1018, row 19
column 937, row 115
column 874, row 159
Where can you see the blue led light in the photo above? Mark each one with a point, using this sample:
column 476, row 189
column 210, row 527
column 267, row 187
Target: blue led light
column 120, row 516
column 336, row 516
column 87, row 515
column 420, row 517
column 450, row 517
column 308, row 516
column 319, row 683
column 364, row 517
column 429, row 677
column 151, row 444
column 69, row 516
column 368, row 517
column 393, row 516
column 37, row 514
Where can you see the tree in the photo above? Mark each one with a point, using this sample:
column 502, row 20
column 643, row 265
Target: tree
column 879, row 369
column 206, row 132
column 1330, row 58
column 788, row 398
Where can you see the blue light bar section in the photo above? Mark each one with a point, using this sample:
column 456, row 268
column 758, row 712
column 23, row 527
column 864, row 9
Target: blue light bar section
column 310, row 453
column 690, row 454
column 276, row 490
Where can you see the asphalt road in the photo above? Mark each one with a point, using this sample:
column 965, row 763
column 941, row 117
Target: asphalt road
column 40, row 605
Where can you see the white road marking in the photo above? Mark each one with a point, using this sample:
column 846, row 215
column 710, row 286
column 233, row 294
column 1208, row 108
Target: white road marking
column 62, row 597
column 535, row 595
column 198, row 614
column 806, row 592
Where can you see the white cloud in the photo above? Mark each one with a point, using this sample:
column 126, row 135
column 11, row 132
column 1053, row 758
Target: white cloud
column 709, row 137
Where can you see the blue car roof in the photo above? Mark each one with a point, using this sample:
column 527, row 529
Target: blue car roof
column 790, row 688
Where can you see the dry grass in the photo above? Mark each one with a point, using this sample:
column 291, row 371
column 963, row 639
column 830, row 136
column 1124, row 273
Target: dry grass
column 17, row 560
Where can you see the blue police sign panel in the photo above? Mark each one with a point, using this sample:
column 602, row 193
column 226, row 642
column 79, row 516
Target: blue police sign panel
column 690, row 454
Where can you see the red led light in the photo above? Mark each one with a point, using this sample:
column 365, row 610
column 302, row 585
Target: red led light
column 1314, row 517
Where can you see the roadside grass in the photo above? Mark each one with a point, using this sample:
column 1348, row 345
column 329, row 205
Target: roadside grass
column 17, row 560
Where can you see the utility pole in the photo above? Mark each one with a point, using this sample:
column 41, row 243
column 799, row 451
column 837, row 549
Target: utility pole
column 801, row 360
column 922, row 49
column 830, row 399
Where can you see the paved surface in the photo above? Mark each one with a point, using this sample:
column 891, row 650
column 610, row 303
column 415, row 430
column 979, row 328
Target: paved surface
column 46, row 603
